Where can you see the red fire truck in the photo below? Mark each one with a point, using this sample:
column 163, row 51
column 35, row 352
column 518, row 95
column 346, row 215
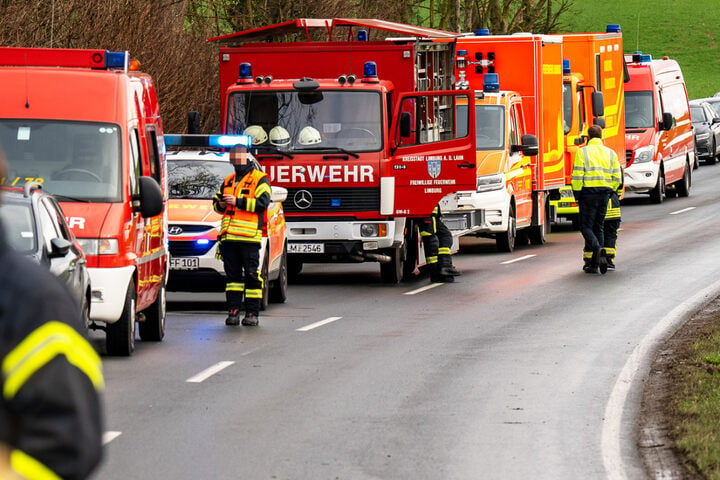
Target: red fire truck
column 361, row 131
column 86, row 125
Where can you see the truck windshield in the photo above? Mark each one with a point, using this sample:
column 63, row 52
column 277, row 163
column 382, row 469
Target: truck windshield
column 639, row 112
column 294, row 120
column 489, row 125
column 78, row 160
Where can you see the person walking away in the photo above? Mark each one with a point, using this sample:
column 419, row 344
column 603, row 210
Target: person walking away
column 50, row 409
column 437, row 240
column 611, row 226
column 242, row 200
column 596, row 174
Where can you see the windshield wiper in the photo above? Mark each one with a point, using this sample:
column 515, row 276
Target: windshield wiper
column 66, row 198
column 328, row 149
column 274, row 154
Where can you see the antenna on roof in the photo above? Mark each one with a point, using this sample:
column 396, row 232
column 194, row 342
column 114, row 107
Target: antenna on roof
column 637, row 34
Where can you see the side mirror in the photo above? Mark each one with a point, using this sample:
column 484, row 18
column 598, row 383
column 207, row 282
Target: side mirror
column 598, row 104
column 151, row 199
column 667, row 121
column 279, row 194
column 715, row 120
column 599, row 121
column 59, row 247
column 405, row 125
column 529, row 145
column 579, row 140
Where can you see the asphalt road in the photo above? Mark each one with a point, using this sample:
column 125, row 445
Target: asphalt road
column 526, row 367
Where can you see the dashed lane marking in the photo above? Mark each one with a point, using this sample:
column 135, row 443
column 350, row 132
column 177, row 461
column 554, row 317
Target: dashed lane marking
column 209, row 372
column 420, row 290
column 110, row 436
column 517, row 259
column 317, row 324
column 682, row 211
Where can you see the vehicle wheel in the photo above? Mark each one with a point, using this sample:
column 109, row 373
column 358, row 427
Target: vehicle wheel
column 657, row 194
column 152, row 329
column 265, row 282
column 538, row 233
column 278, row 293
column 683, row 186
column 121, row 334
column 506, row 241
column 713, row 156
column 294, row 267
column 392, row 271
column 86, row 311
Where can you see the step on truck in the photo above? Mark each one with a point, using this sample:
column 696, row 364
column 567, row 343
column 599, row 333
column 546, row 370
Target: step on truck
column 86, row 124
column 594, row 76
column 519, row 137
column 360, row 128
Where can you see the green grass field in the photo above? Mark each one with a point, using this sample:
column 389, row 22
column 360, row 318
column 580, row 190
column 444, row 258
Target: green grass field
column 685, row 30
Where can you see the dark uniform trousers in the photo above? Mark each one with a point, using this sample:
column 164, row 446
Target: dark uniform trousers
column 241, row 261
column 593, row 205
column 437, row 240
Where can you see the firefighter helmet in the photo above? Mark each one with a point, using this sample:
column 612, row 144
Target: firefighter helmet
column 309, row 136
column 279, row 136
column 258, row 134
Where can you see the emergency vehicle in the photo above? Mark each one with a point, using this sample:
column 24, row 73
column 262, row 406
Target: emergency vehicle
column 361, row 131
column 86, row 125
column 659, row 135
column 194, row 176
column 594, row 76
column 519, row 137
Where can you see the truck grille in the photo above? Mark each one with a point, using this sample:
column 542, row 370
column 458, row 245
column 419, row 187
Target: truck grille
column 188, row 248
column 327, row 200
column 628, row 157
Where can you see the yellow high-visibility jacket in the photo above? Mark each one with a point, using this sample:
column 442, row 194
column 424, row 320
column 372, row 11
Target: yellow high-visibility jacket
column 596, row 167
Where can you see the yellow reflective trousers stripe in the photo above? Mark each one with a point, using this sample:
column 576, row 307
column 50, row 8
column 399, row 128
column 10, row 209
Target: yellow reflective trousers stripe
column 40, row 347
column 30, row 468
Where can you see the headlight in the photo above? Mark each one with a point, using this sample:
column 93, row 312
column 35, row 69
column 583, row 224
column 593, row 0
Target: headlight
column 644, row 154
column 373, row 230
column 490, row 182
column 702, row 136
column 99, row 246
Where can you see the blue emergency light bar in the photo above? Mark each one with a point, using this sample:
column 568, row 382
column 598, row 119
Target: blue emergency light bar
column 566, row 66
column 482, row 32
column 115, row 59
column 245, row 71
column 217, row 141
column 612, row 28
column 491, row 82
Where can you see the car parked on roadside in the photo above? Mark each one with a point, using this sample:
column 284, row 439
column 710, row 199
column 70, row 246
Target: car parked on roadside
column 35, row 226
column 706, row 125
column 194, row 176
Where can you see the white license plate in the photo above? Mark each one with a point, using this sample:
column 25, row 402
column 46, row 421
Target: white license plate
column 184, row 263
column 306, row 248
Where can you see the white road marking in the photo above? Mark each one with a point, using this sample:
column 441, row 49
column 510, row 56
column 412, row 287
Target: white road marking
column 517, row 259
column 110, row 436
column 210, row 371
column 420, row 290
column 682, row 211
column 640, row 359
column 317, row 324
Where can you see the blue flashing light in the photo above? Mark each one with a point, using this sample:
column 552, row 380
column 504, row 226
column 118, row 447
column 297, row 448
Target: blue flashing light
column 482, row 32
column 204, row 141
column 645, row 58
column 362, row 36
column 114, row 59
column 566, row 66
column 613, row 28
column 491, row 82
column 202, row 241
column 335, row 202
column 230, row 140
column 461, row 53
column 245, row 71
column 637, row 52
column 370, row 70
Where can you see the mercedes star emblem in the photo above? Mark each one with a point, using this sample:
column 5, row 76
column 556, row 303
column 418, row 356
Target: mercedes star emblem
column 302, row 199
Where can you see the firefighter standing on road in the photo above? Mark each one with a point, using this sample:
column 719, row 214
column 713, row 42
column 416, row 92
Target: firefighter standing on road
column 611, row 226
column 242, row 200
column 437, row 240
column 596, row 175
column 50, row 410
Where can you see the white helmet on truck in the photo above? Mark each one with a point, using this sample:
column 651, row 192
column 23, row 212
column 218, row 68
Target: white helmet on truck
column 309, row 136
column 279, row 136
column 258, row 134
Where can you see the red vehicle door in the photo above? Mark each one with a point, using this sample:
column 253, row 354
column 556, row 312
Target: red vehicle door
column 432, row 150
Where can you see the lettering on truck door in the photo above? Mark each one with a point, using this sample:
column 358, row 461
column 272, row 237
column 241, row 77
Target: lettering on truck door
column 434, row 154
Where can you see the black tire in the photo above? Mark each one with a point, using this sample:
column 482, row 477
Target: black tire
column 152, row 329
column 657, row 194
column 121, row 334
column 713, row 156
column 278, row 292
column 538, row 233
column 265, row 300
column 85, row 310
column 294, row 267
column 683, row 186
column 392, row 272
column 505, row 242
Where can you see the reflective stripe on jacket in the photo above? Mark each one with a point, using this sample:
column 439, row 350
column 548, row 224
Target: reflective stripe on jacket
column 613, row 207
column 596, row 166
column 243, row 222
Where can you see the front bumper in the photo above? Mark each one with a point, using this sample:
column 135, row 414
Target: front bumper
column 641, row 177
column 109, row 286
column 481, row 213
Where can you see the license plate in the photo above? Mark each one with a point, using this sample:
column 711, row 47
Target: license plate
column 306, row 248
column 184, row 263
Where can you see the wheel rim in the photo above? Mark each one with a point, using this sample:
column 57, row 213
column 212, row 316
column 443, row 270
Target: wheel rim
column 133, row 324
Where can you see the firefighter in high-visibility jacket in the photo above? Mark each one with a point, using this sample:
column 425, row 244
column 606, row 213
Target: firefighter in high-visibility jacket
column 437, row 240
column 50, row 405
column 242, row 199
column 596, row 175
